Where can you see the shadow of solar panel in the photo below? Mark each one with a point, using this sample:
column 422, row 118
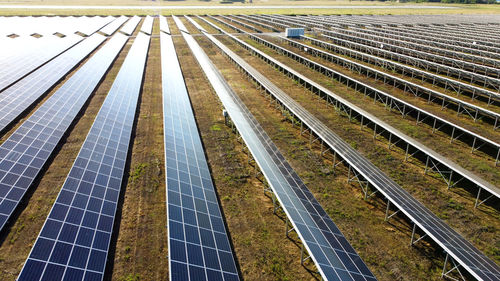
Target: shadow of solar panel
column 77, row 232
column 24, row 153
column 198, row 242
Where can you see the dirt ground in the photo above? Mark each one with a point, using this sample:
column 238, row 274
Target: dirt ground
column 141, row 236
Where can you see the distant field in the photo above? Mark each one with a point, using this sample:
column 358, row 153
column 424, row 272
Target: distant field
column 257, row 7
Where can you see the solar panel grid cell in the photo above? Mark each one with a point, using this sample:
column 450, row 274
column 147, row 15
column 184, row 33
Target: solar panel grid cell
column 198, row 243
column 77, row 232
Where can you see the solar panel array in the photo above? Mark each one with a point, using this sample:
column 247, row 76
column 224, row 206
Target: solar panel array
column 394, row 135
column 130, row 26
column 26, row 151
column 74, row 241
column 472, row 110
column 12, row 70
column 20, row 96
column 147, row 25
column 461, row 250
column 114, row 25
column 334, row 257
column 199, row 248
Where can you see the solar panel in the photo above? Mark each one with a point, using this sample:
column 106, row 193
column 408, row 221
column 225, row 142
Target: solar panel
column 130, row 26
column 14, row 70
column 26, row 151
column 114, row 25
column 74, row 241
column 147, row 25
column 20, row 96
column 332, row 254
column 164, row 25
column 195, row 224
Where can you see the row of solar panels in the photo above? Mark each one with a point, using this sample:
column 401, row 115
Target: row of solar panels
column 74, row 240
column 481, row 34
column 461, row 55
column 406, row 109
column 456, row 246
column 422, row 60
column 472, row 110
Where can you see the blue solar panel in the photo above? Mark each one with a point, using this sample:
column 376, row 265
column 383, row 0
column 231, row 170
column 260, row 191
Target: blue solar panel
column 198, row 243
column 24, row 153
column 18, row 97
column 74, row 242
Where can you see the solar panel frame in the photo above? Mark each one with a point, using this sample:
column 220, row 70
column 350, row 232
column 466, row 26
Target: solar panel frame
column 183, row 149
column 27, row 150
column 83, row 215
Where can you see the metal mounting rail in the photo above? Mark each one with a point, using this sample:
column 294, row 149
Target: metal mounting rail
column 489, row 56
column 423, row 60
column 334, row 257
column 377, row 56
column 387, row 59
column 446, row 101
column 456, row 132
column 249, row 26
column 269, row 22
column 451, row 172
column 454, row 59
column 458, row 250
column 443, row 40
column 256, row 23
